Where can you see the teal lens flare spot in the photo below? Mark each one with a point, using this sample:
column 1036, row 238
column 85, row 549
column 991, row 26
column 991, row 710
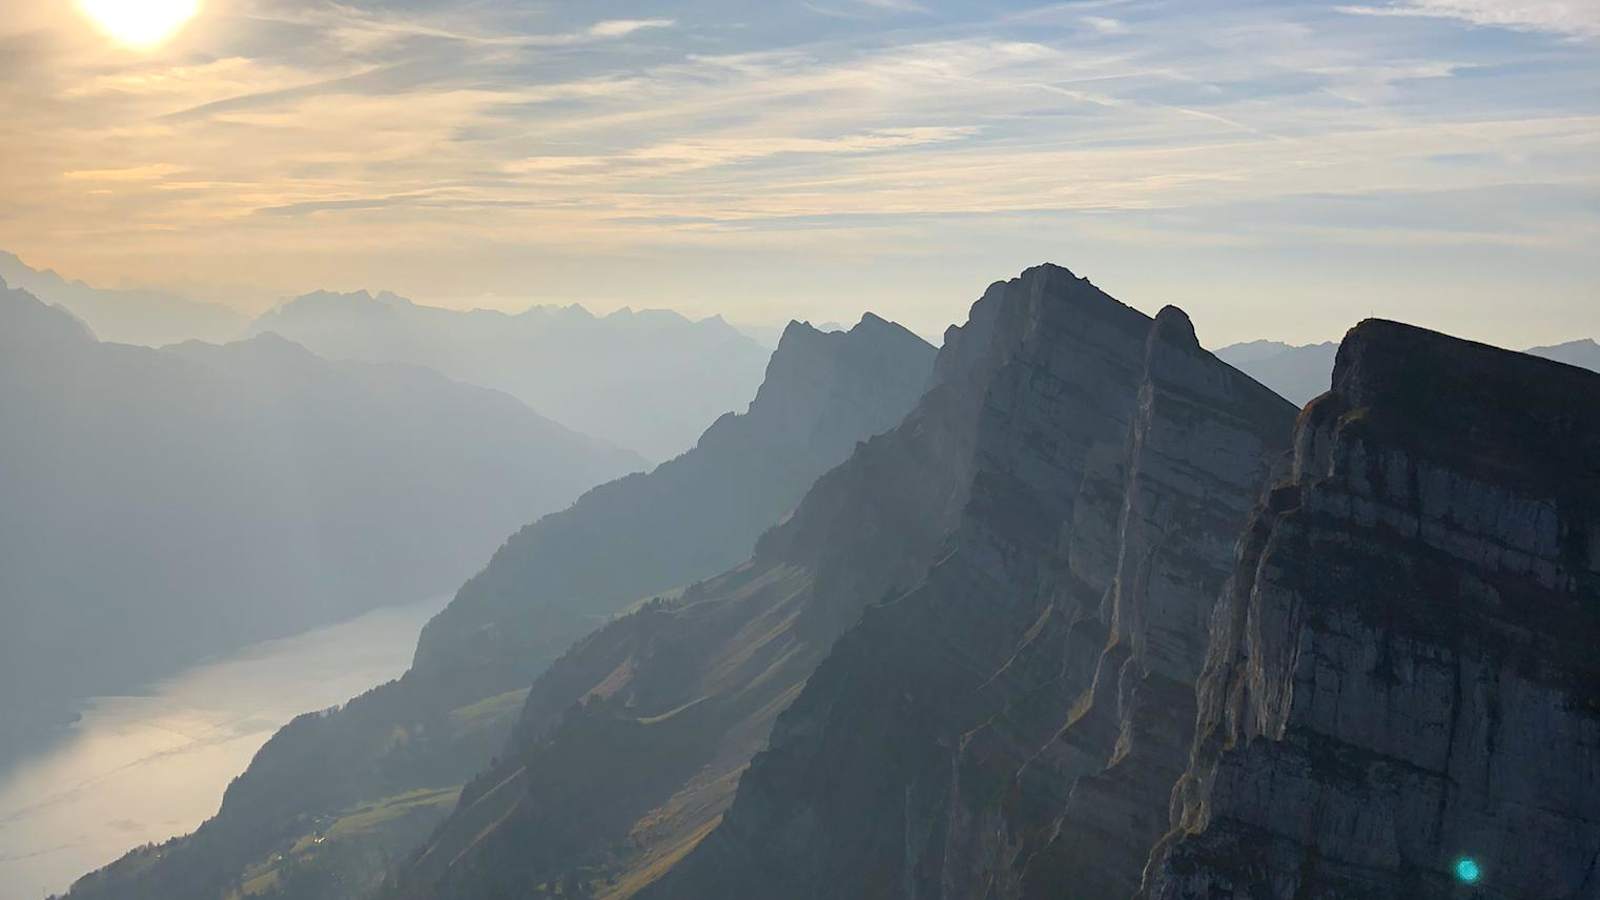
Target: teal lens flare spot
column 1468, row 871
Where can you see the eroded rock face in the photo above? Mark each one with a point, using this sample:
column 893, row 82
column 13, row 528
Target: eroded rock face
column 1014, row 724
column 1403, row 671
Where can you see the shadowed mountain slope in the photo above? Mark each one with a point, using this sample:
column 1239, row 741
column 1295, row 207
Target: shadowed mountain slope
column 692, row 517
column 1014, row 724
column 631, row 746
column 332, row 798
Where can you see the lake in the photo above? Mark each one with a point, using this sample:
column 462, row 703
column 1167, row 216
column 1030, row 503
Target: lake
column 144, row 768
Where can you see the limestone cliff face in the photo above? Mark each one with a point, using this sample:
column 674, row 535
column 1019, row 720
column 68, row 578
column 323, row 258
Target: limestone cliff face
column 1402, row 672
column 1014, row 724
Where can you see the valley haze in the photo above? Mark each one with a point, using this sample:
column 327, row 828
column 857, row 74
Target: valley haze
column 657, row 450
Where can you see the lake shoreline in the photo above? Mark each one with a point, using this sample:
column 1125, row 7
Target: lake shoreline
column 153, row 763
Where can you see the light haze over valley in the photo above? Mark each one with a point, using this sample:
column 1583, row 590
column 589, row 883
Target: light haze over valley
column 704, row 450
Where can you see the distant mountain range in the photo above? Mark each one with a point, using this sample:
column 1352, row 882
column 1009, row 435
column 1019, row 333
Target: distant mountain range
column 648, row 380
column 159, row 506
column 1584, row 354
column 1101, row 616
column 334, row 798
column 1301, row 373
column 151, row 318
column 645, row 380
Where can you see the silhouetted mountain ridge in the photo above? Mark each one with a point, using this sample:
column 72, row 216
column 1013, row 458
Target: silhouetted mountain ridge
column 160, row 506
column 1301, row 373
column 150, row 318
column 551, row 583
column 648, row 380
column 1102, row 614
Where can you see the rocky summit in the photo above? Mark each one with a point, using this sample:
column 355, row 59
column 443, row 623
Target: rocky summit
column 1014, row 722
column 1401, row 696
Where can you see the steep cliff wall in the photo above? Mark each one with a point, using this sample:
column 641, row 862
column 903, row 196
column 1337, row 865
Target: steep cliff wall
column 1015, row 723
column 1402, row 675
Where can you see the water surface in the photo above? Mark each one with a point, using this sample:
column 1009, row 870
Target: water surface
column 141, row 769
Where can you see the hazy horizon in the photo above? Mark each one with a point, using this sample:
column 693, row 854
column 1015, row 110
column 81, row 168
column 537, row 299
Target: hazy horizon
column 1279, row 171
column 1142, row 446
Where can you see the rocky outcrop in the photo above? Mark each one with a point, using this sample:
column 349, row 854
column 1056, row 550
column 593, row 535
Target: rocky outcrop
column 1014, row 723
column 299, row 819
column 1402, row 674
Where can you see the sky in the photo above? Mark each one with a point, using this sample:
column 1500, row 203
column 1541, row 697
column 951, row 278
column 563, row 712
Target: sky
column 1277, row 169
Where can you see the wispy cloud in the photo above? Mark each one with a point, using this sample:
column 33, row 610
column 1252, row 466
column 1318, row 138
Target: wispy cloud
column 625, row 27
column 153, row 172
column 299, row 140
column 1578, row 18
column 1105, row 24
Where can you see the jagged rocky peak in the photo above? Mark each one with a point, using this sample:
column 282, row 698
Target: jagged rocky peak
column 1015, row 720
column 1401, row 695
column 877, row 360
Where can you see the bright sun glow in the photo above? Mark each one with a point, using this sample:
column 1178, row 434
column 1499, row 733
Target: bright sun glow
column 140, row 23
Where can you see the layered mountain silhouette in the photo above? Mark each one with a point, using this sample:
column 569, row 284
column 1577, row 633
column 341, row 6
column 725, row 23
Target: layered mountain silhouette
column 647, row 380
column 968, row 666
column 1296, row 373
column 943, row 552
column 1102, row 616
column 333, row 799
column 151, row 318
column 158, row 506
column 1301, row 373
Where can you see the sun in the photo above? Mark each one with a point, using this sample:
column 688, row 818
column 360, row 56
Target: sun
column 140, row 24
